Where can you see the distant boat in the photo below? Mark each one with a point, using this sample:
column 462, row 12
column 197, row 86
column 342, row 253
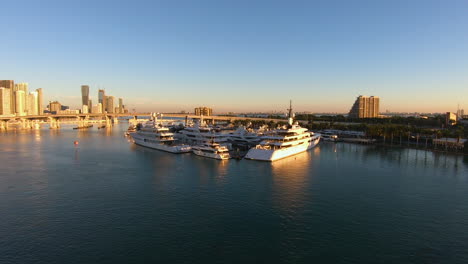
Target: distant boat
column 83, row 127
column 211, row 150
column 244, row 137
column 329, row 137
column 198, row 135
column 156, row 136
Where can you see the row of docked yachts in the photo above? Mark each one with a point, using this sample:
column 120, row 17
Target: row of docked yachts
column 264, row 145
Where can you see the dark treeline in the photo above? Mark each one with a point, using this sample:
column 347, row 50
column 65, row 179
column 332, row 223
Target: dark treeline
column 433, row 122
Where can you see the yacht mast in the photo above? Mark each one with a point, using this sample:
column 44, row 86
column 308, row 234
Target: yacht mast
column 290, row 114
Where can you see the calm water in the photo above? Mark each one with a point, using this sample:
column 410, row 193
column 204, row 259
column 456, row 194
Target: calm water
column 108, row 201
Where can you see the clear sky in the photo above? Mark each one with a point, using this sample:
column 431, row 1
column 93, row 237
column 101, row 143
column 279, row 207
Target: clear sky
column 241, row 55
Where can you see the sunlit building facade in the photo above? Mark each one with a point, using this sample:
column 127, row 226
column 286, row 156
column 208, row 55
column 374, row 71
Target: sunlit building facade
column 5, row 101
column 203, row 110
column 365, row 107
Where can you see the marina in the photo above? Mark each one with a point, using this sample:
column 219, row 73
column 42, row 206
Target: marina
column 208, row 141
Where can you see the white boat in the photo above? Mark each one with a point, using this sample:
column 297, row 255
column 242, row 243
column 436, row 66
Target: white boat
column 211, row 150
column 284, row 142
column 329, row 137
column 242, row 136
column 157, row 136
column 199, row 135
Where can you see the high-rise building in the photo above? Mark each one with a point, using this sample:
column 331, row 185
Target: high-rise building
column 55, row 107
column 9, row 84
column 365, row 107
column 90, row 106
column 110, row 104
column 97, row 109
column 20, row 103
column 203, row 110
column 121, row 106
column 84, row 94
column 33, row 106
column 40, row 107
column 84, row 109
column 20, row 94
column 5, row 101
column 102, row 100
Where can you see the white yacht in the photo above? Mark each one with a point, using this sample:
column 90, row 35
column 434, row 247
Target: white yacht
column 329, row 137
column 242, row 136
column 199, row 135
column 284, row 142
column 155, row 135
column 211, row 150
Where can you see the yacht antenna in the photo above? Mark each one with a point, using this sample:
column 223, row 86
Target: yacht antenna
column 290, row 113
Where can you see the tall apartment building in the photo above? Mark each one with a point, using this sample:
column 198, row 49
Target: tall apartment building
column 20, row 103
column 203, row 110
column 121, row 110
column 97, row 109
column 55, row 107
column 84, row 94
column 5, row 101
column 110, row 104
column 9, row 84
column 365, row 107
column 102, row 100
column 40, row 106
column 20, row 93
column 33, row 103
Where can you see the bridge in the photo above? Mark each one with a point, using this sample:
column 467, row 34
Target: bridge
column 107, row 119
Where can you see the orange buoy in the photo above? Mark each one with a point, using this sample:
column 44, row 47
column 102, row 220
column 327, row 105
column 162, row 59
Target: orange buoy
column 75, row 142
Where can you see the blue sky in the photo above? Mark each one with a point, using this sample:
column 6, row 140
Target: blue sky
column 242, row 55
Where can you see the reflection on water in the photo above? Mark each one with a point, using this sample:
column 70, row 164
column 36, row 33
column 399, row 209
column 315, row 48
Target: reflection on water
column 291, row 176
column 340, row 203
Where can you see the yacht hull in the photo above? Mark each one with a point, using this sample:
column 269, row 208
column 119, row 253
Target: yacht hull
column 208, row 155
column 272, row 155
column 172, row 149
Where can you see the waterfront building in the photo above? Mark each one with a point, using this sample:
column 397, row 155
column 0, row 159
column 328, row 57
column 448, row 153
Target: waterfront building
column 121, row 106
column 450, row 119
column 84, row 109
column 5, row 100
column 110, row 104
column 90, row 106
column 84, row 94
column 32, row 102
column 20, row 93
column 365, row 107
column 55, row 107
column 203, row 110
column 102, row 100
column 40, row 107
column 20, row 103
column 9, row 84
column 97, row 109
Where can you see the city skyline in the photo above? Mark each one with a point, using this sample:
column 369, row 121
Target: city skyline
column 170, row 57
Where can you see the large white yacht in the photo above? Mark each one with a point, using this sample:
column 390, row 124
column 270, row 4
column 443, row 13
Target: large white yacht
column 284, row 142
column 242, row 136
column 211, row 150
column 200, row 134
column 155, row 135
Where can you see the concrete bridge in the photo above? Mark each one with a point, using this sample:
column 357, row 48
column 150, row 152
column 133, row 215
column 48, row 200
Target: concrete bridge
column 82, row 120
